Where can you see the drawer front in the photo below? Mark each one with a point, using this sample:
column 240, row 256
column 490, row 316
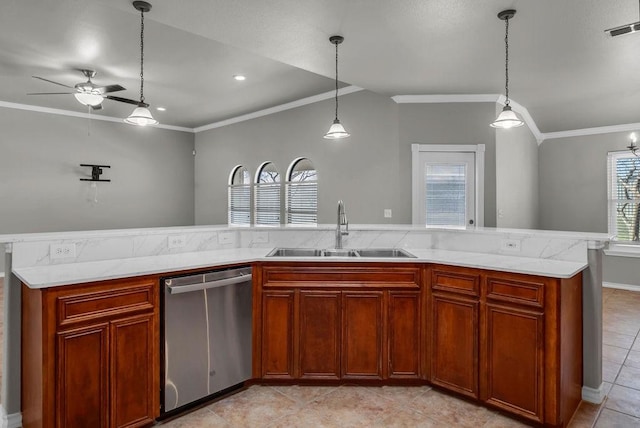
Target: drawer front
column 344, row 277
column 88, row 305
column 528, row 293
column 462, row 282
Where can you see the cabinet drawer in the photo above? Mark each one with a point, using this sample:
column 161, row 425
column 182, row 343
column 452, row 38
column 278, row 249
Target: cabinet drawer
column 463, row 282
column 343, row 277
column 529, row 293
column 88, row 305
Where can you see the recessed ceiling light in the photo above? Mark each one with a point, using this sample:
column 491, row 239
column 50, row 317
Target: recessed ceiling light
column 161, row 109
column 239, row 77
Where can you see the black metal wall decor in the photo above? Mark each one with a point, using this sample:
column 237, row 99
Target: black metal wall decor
column 96, row 172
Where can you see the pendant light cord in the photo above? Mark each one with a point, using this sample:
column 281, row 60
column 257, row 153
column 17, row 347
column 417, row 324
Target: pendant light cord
column 336, row 81
column 506, row 62
column 141, row 56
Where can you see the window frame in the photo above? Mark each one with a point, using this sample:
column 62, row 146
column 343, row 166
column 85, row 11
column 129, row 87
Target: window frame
column 290, row 185
column 612, row 190
column 230, row 191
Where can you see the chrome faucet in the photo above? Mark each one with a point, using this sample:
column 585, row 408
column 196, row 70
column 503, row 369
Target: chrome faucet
column 342, row 221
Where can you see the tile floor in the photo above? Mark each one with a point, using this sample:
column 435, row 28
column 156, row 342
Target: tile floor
column 351, row 406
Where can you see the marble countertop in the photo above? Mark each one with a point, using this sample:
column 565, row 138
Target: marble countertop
column 75, row 273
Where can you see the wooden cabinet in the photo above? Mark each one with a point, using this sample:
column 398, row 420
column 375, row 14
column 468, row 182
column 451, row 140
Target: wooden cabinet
column 92, row 354
column 512, row 341
column 360, row 322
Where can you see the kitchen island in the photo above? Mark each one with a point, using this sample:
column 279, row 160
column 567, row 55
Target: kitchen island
column 558, row 256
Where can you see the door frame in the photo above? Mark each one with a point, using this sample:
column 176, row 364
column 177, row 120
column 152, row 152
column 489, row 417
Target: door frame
column 477, row 149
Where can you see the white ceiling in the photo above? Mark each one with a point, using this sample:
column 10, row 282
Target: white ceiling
column 563, row 68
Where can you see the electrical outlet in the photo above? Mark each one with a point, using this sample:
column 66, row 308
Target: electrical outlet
column 226, row 238
column 176, row 241
column 512, row 245
column 387, row 213
column 62, row 251
column 260, row 237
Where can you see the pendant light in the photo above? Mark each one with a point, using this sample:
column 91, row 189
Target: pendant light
column 632, row 147
column 507, row 117
column 336, row 131
column 141, row 116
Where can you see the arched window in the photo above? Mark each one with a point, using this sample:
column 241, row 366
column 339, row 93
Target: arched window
column 302, row 193
column 239, row 197
column 267, row 202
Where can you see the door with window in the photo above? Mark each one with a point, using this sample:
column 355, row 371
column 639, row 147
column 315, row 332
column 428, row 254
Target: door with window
column 447, row 185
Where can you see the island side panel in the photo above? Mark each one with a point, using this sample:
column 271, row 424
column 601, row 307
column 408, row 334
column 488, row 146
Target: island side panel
column 571, row 378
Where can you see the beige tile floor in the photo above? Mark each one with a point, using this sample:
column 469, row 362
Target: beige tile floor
column 351, row 406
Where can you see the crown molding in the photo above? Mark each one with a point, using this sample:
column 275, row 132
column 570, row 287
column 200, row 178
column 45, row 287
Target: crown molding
column 626, row 127
column 282, row 107
column 70, row 113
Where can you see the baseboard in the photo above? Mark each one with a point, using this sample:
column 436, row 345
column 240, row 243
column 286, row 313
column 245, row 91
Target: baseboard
column 619, row 286
column 593, row 395
column 13, row 420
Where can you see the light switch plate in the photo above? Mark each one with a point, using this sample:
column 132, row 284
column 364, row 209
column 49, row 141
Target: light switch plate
column 226, row 238
column 176, row 241
column 387, row 213
column 512, row 245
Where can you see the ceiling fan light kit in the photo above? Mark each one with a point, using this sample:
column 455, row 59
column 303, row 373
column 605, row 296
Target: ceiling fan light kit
column 141, row 115
column 507, row 117
column 336, row 131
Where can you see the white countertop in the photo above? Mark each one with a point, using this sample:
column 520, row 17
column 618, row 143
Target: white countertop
column 74, row 273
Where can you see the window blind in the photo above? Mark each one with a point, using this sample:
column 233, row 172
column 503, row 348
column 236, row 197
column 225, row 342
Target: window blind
column 624, row 195
column 268, row 203
column 302, row 202
column 239, row 205
column 446, row 195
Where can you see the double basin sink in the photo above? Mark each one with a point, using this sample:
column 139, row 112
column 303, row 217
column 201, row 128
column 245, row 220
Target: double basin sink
column 330, row 252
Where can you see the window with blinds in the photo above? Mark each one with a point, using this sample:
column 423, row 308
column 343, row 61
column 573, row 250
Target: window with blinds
column 624, row 195
column 239, row 197
column 302, row 193
column 446, row 194
column 267, row 195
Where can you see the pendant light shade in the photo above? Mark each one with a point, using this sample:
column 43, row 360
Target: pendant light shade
column 336, row 131
column 507, row 117
column 141, row 116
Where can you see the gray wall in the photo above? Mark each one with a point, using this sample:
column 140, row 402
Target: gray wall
column 573, row 192
column 454, row 123
column 370, row 171
column 516, row 178
column 152, row 174
column 363, row 170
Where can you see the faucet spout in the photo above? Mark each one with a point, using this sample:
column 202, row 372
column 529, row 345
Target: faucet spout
column 341, row 221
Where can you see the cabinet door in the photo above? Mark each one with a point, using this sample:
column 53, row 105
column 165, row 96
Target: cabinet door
column 82, row 377
column 514, row 358
column 319, row 335
column 404, row 334
column 277, row 334
column 454, row 343
column 362, row 327
column 133, row 366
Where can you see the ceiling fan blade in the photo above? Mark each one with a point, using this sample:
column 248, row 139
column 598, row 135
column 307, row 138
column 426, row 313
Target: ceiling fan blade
column 98, row 107
column 51, row 81
column 51, row 93
column 110, row 88
column 125, row 100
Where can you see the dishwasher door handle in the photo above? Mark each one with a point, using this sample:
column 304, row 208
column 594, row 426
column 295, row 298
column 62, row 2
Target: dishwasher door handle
column 177, row 289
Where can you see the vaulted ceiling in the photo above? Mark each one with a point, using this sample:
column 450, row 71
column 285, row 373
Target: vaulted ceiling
column 563, row 68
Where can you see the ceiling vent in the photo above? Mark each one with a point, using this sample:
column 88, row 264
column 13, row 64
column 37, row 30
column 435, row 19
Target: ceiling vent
column 623, row 29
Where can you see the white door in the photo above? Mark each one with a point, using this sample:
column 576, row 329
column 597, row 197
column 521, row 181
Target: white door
column 445, row 188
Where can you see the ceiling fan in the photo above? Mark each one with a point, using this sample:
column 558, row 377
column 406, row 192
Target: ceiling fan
column 88, row 93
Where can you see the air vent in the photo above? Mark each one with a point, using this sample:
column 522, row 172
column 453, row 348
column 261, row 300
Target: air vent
column 623, row 29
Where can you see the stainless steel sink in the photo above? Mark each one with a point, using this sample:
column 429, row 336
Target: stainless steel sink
column 383, row 252
column 295, row 252
column 330, row 252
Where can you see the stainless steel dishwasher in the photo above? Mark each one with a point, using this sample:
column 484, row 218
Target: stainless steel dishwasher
column 207, row 335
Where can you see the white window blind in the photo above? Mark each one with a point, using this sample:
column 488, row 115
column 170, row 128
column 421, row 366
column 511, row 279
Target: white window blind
column 302, row 193
column 267, row 206
column 445, row 194
column 239, row 197
column 624, row 195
